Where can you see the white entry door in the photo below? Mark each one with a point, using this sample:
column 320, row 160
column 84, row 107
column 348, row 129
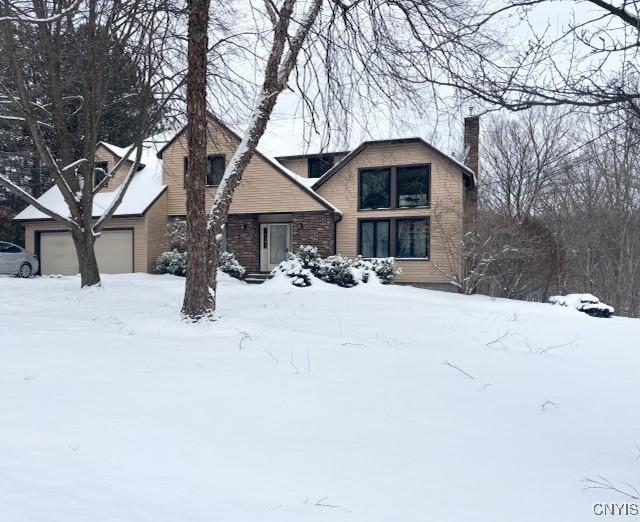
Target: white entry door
column 275, row 242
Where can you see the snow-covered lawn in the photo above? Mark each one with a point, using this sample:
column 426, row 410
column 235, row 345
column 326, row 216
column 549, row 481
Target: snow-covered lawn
column 317, row 404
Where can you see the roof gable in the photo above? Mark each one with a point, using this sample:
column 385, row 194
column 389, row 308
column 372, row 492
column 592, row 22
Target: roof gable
column 145, row 188
column 279, row 169
column 354, row 153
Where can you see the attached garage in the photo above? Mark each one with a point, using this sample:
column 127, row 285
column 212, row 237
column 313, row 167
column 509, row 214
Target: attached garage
column 114, row 250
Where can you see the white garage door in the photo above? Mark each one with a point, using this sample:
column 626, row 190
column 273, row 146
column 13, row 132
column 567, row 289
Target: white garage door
column 114, row 250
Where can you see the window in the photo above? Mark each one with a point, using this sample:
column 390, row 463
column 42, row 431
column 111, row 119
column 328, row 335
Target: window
column 374, row 238
column 412, row 186
column 215, row 170
column 412, row 238
column 100, row 172
column 375, row 188
column 395, row 187
column 403, row 238
column 8, row 248
column 319, row 165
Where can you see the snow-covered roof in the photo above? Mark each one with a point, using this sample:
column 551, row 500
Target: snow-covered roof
column 118, row 151
column 145, row 187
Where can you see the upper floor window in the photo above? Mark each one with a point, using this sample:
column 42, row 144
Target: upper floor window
column 215, row 169
column 375, row 188
column 100, row 170
column 395, row 187
column 412, row 186
column 319, row 165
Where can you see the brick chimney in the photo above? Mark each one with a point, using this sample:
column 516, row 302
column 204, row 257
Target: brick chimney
column 471, row 142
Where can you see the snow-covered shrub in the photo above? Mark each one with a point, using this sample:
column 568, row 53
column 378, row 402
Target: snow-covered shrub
column 336, row 270
column 172, row 262
column 230, row 265
column 587, row 303
column 384, row 267
column 309, row 258
column 339, row 270
column 362, row 268
column 294, row 269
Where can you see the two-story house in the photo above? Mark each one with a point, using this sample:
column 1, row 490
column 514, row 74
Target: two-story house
column 402, row 198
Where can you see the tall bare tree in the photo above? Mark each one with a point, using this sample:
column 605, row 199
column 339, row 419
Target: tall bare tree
column 522, row 157
column 288, row 31
column 595, row 211
column 70, row 115
column 197, row 298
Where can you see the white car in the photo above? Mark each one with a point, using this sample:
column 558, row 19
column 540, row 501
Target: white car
column 15, row 260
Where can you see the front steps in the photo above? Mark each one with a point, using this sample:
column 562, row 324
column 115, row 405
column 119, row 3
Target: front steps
column 257, row 279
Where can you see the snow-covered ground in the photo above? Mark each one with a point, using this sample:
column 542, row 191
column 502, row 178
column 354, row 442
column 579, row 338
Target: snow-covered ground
column 317, row 404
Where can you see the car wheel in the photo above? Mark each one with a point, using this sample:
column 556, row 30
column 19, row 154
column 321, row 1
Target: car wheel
column 24, row 270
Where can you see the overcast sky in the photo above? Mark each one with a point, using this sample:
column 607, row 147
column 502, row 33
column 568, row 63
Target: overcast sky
column 284, row 135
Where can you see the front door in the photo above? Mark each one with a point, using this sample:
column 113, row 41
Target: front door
column 275, row 239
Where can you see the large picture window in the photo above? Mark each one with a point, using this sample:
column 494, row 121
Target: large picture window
column 412, row 238
column 374, row 238
column 412, row 186
column 395, row 187
column 375, row 188
column 404, row 238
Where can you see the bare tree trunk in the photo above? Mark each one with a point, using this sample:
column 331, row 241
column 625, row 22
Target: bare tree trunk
column 198, row 300
column 87, row 262
column 280, row 63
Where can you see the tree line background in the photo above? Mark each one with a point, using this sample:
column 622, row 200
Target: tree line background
column 559, row 207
